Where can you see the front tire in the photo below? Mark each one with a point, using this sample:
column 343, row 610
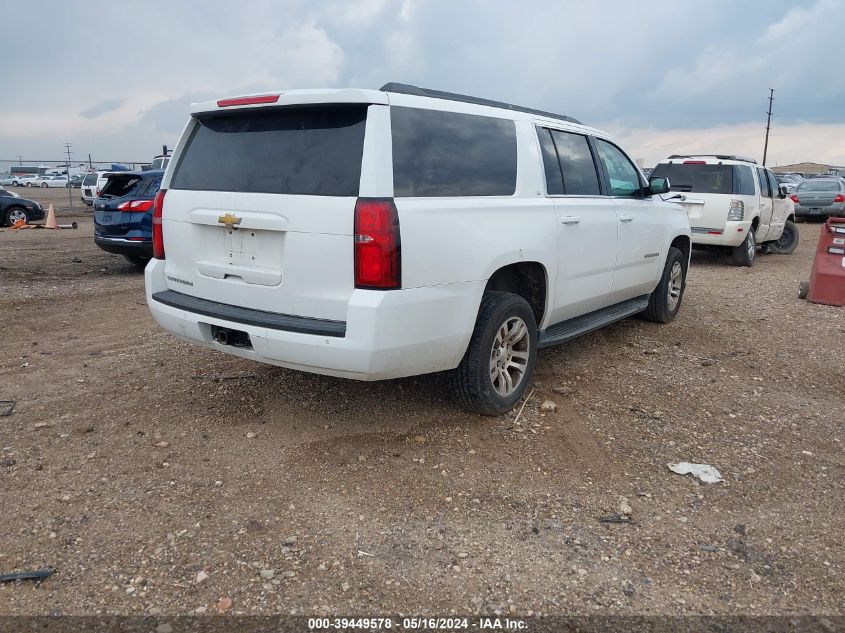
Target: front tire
column 14, row 214
column 788, row 241
column 745, row 253
column 43, row 185
column 499, row 361
column 665, row 301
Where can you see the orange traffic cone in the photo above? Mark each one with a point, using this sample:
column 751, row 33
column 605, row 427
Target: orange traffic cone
column 19, row 224
column 51, row 218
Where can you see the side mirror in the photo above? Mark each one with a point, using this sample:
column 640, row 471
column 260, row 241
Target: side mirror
column 658, row 185
column 783, row 191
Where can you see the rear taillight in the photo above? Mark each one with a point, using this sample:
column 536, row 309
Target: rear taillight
column 736, row 212
column 158, row 237
column 695, row 162
column 136, row 206
column 378, row 260
column 98, row 193
column 839, row 198
column 795, row 199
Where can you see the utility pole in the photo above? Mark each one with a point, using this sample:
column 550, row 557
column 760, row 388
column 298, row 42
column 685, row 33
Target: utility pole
column 768, row 124
column 20, row 159
column 90, row 164
column 69, row 188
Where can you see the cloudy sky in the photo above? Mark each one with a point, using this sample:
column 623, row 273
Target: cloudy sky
column 116, row 78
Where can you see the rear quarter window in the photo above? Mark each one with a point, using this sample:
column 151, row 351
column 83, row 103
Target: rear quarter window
column 314, row 150
column 440, row 154
column 743, row 181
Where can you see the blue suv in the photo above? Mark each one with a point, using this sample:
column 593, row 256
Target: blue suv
column 123, row 214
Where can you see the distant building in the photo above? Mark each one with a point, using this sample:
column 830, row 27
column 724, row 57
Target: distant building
column 810, row 168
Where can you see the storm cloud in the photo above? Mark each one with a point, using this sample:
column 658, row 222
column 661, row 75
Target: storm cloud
column 662, row 76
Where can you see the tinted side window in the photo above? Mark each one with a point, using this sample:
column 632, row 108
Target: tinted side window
column 743, row 180
column 554, row 180
column 312, row 150
column 764, row 183
column 576, row 164
column 449, row 154
column 624, row 177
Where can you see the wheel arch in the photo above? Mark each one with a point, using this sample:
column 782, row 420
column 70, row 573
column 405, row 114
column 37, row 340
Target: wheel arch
column 529, row 279
column 683, row 243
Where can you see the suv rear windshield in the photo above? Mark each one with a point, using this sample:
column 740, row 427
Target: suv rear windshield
column 702, row 178
column 119, row 186
column 314, row 150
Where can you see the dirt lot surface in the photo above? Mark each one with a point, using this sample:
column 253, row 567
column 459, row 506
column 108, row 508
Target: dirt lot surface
column 156, row 476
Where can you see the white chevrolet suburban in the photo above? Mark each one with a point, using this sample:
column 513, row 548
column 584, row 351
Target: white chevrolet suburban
column 733, row 204
column 373, row 234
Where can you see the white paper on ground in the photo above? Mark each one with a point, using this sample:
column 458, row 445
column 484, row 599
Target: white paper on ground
column 705, row 472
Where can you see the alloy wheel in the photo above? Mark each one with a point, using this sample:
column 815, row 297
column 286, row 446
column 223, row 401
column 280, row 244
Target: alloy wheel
column 509, row 356
column 676, row 282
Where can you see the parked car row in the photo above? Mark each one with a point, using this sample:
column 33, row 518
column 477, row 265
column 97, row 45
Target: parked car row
column 44, row 180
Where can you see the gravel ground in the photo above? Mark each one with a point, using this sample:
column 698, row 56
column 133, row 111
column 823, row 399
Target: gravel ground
column 158, row 477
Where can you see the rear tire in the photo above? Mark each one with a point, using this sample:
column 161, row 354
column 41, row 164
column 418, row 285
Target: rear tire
column 139, row 262
column 665, row 301
column 499, row 361
column 788, row 241
column 745, row 253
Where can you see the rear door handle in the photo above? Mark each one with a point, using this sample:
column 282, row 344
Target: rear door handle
column 570, row 219
column 626, row 218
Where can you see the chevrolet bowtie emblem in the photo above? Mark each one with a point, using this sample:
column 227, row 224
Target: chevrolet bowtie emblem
column 229, row 220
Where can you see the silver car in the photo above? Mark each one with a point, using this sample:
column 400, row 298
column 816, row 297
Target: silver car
column 820, row 197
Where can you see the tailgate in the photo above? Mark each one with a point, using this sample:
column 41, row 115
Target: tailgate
column 706, row 210
column 260, row 209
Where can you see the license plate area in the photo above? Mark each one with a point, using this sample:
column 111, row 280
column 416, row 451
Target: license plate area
column 240, row 246
column 228, row 336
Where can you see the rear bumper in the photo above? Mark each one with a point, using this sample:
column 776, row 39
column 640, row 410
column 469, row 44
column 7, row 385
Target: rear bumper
column 122, row 246
column 386, row 334
column 732, row 234
column 830, row 210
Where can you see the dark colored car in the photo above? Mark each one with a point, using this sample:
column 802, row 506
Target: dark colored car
column 123, row 215
column 75, row 181
column 13, row 209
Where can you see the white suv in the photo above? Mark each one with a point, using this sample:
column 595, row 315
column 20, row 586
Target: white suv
column 733, row 204
column 373, row 234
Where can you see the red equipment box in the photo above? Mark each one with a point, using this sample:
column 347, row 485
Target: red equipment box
column 827, row 281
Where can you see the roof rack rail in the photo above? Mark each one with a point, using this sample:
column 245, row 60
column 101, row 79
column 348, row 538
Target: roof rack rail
column 408, row 89
column 719, row 156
